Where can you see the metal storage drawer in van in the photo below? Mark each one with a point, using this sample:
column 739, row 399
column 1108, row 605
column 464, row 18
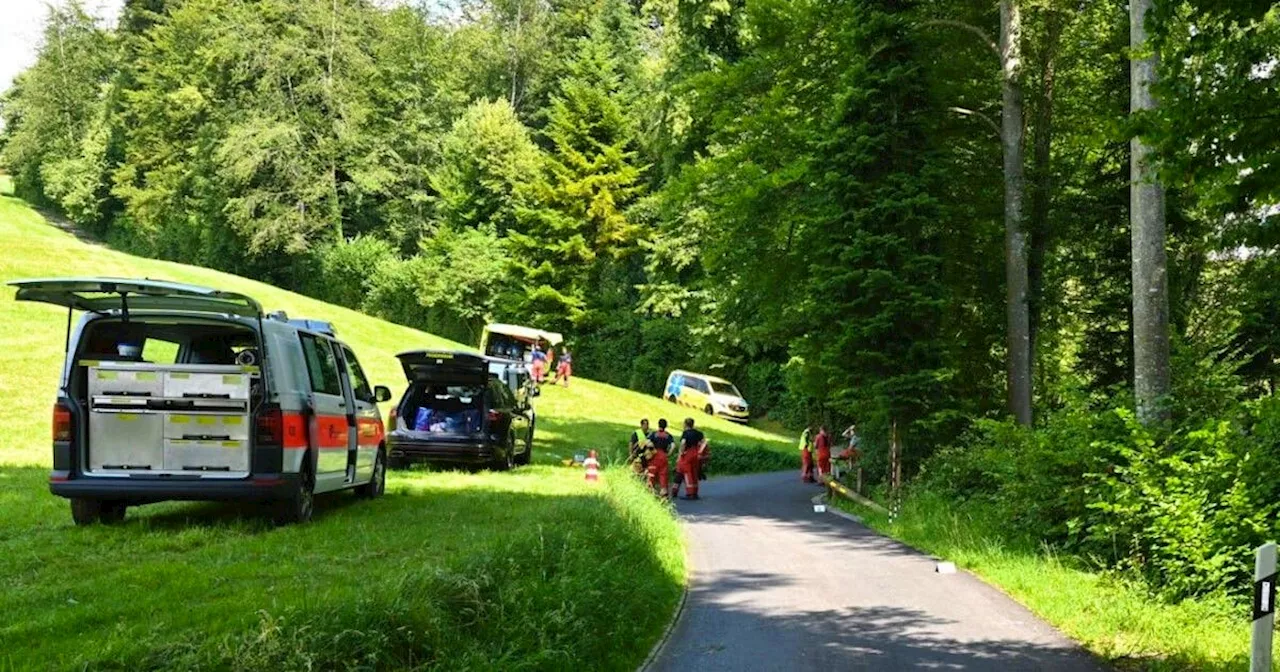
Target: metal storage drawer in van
column 121, row 380
column 216, row 456
column 192, row 382
column 205, row 425
column 125, row 440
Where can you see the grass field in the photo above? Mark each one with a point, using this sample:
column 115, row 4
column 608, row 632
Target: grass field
column 1118, row 621
column 529, row 570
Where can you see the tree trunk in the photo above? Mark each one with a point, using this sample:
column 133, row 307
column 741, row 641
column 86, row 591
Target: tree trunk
column 1151, row 383
column 1011, row 140
column 1041, row 155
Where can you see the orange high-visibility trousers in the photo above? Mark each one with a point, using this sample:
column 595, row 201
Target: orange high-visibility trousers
column 824, row 463
column 806, row 466
column 687, row 468
column 658, row 468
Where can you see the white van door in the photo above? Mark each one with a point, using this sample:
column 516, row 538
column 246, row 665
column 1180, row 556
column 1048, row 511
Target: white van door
column 330, row 430
column 369, row 430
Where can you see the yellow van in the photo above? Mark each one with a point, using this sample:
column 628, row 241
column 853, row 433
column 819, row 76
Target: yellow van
column 709, row 394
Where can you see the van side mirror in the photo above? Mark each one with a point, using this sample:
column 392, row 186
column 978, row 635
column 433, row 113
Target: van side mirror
column 381, row 393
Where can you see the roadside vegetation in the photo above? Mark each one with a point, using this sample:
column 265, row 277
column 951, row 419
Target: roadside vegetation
column 531, row 570
column 1109, row 613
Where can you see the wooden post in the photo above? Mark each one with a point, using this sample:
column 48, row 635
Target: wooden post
column 859, row 490
column 895, row 472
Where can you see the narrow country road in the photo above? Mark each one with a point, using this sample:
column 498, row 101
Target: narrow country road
column 776, row 586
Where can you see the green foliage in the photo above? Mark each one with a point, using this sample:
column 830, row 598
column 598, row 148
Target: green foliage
column 347, row 270
column 488, row 162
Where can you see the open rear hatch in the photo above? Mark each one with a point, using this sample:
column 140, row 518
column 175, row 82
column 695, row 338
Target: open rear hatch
column 445, row 397
column 160, row 418
column 100, row 295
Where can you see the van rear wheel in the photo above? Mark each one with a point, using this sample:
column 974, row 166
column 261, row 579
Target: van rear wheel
column 301, row 503
column 93, row 511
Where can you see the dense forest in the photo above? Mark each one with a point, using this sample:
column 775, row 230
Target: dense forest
column 900, row 213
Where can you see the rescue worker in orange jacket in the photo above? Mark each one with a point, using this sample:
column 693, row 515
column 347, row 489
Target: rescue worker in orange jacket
column 689, row 466
column 822, row 446
column 806, row 458
column 660, row 443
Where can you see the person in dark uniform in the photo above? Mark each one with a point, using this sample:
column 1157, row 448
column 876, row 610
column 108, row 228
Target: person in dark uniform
column 692, row 442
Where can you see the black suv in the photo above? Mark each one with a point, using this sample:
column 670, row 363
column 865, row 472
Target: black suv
column 458, row 412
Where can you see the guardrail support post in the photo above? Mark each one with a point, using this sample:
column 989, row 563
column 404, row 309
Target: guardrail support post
column 1264, row 608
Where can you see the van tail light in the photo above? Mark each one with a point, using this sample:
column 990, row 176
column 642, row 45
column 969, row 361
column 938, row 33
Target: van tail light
column 495, row 416
column 270, row 426
column 61, row 422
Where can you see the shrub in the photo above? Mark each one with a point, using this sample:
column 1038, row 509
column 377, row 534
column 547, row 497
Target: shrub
column 347, row 270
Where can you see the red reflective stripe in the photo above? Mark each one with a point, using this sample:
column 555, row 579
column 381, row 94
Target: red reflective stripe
column 332, row 430
column 293, row 434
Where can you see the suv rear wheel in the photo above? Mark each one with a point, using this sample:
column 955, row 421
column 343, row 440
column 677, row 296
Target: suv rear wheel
column 301, row 504
column 91, row 511
column 508, row 461
column 378, row 484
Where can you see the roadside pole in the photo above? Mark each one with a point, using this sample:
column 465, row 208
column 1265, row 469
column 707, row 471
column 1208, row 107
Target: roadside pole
column 1264, row 608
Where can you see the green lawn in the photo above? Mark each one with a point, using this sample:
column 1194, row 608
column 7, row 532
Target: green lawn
column 530, row 570
column 1116, row 620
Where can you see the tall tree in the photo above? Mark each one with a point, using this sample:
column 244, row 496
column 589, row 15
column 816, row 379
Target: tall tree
column 1012, row 129
column 1151, row 376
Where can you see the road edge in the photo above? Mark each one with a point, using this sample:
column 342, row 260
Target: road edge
column 661, row 645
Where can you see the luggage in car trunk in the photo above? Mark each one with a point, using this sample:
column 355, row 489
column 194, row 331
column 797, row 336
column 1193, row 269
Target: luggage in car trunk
column 446, row 394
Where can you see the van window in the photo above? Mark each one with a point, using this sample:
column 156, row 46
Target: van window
column 322, row 366
column 359, row 384
column 157, row 351
column 725, row 388
column 699, row 385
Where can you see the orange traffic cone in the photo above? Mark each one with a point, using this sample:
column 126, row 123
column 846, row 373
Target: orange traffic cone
column 593, row 466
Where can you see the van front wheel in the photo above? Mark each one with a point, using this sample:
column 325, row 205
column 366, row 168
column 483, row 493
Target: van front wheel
column 709, row 410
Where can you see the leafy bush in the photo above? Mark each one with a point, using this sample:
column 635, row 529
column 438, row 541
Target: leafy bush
column 347, row 270
column 1187, row 509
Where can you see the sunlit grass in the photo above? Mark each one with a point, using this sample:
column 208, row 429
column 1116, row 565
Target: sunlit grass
column 535, row 569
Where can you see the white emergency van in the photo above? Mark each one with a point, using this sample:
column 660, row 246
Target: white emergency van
column 179, row 392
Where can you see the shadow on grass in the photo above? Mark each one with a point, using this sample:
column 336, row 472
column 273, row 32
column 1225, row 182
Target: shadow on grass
column 445, row 572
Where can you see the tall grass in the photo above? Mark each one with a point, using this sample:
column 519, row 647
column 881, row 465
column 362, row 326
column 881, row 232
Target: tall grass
column 532, row 570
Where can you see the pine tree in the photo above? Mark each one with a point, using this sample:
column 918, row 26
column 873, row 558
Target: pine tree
column 591, row 179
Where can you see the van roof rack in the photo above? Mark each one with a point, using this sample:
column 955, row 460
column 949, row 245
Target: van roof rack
column 318, row 326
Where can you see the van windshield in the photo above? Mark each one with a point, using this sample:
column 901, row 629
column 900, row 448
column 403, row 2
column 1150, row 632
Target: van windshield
column 725, row 388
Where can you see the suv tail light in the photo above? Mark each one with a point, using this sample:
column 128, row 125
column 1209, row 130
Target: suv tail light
column 61, row 422
column 495, row 416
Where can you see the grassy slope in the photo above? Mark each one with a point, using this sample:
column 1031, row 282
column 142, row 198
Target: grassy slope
column 445, row 557
column 1119, row 622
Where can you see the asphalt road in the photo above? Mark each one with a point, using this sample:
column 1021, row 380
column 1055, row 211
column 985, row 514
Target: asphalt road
column 776, row 586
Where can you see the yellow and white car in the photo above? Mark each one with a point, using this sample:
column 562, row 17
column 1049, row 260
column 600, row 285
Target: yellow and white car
column 709, row 394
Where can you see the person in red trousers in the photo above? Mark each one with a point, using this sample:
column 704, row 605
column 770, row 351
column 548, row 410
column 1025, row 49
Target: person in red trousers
column 822, row 446
column 660, row 442
column 689, row 466
column 806, row 457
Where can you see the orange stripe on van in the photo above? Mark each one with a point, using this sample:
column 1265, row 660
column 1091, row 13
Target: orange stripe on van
column 371, row 431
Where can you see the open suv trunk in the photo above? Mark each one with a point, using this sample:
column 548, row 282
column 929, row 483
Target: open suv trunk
column 444, row 414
